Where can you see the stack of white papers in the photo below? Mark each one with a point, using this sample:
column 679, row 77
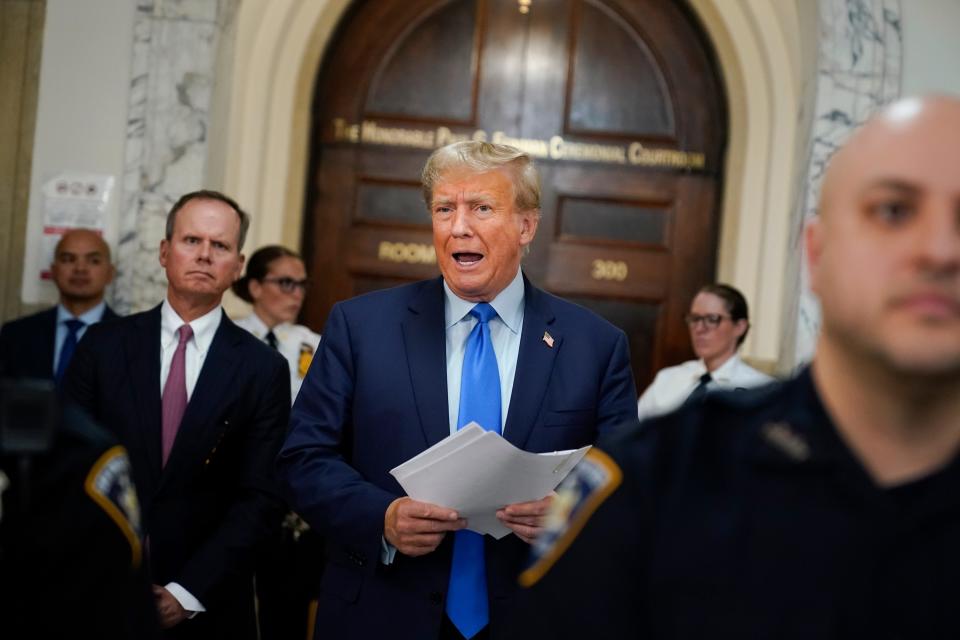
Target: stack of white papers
column 477, row 472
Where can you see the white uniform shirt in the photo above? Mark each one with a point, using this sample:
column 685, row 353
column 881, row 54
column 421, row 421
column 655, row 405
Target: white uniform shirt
column 295, row 342
column 673, row 385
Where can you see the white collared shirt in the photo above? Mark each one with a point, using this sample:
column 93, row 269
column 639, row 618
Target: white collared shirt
column 204, row 328
column 673, row 385
column 295, row 342
column 505, row 331
column 92, row 316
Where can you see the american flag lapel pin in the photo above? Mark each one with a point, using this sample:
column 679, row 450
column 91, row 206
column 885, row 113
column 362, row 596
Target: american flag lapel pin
column 548, row 339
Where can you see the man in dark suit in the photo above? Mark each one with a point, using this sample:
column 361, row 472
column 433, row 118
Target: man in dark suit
column 40, row 345
column 201, row 405
column 399, row 370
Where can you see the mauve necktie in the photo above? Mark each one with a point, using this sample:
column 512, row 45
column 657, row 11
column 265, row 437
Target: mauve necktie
column 467, row 605
column 175, row 393
column 68, row 347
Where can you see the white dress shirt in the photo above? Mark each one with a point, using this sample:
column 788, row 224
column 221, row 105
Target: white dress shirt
column 673, row 385
column 204, row 328
column 295, row 342
column 505, row 332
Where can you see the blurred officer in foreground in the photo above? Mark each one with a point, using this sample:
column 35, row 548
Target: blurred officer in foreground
column 825, row 507
column 70, row 555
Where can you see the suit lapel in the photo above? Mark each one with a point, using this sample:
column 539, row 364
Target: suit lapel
column 48, row 340
column 142, row 348
column 534, row 365
column 208, row 398
column 425, row 341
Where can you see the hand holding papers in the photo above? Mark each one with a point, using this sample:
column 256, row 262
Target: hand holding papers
column 477, row 472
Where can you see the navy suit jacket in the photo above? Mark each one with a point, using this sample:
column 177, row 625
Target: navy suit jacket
column 27, row 344
column 376, row 395
column 216, row 499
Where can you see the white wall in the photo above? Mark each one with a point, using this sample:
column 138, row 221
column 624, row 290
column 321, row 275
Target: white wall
column 931, row 46
column 82, row 111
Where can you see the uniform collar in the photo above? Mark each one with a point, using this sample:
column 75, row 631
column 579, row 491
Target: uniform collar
column 255, row 325
column 799, row 434
column 723, row 374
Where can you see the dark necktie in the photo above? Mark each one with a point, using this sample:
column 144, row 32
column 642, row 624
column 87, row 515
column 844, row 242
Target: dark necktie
column 271, row 339
column 174, row 400
column 69, row 346
column 467, row 605
column 701, row 389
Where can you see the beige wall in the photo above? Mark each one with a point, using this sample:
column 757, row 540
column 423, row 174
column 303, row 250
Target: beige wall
column 81, row 115
column 21, row 35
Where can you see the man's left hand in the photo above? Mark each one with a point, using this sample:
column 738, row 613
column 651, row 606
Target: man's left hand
column 526, row 518
column 169, row 611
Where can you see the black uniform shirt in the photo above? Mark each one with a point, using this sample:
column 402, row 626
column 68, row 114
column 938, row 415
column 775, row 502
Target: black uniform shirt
column 747, row 516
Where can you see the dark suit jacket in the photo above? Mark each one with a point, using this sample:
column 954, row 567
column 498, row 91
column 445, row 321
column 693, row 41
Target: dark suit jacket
column 26, row 344
column 216, row 499
column 376, row 396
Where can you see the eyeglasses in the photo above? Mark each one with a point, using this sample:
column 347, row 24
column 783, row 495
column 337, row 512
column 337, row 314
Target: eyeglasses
column 709, row 320
column 288, row 285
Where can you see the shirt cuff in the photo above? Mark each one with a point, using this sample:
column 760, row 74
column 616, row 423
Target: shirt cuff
column 387, row 551
column 190, row 604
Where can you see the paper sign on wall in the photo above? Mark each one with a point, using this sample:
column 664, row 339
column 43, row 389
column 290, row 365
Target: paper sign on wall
column 72, row 200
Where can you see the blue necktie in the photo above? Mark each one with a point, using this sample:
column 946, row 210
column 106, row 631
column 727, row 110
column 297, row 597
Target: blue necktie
column 69, row 346
column 467, row 605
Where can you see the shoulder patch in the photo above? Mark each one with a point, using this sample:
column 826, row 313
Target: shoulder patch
column 110, row 485
column 591, row 482
column 306, row 357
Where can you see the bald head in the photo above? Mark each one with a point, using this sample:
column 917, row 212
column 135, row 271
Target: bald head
column 81, row 269
column 894, row 144
column 84, row 237
column 884, row 253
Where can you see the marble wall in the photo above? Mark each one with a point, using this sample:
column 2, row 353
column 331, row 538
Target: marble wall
column 174, row 61
column 859, row 71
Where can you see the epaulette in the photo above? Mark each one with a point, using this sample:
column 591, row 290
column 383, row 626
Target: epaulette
column 594, row 478
column 109, row 484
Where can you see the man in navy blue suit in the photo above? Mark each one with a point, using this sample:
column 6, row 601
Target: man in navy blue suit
column 391, row 378
column 201, row 406
column 40, row 345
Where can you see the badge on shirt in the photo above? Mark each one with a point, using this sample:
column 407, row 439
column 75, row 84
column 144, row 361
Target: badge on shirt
column 306, row 357
column 591, row 482
column 110, row 486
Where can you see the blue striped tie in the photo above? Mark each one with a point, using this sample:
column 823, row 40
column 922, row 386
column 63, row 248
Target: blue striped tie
column 467, row 605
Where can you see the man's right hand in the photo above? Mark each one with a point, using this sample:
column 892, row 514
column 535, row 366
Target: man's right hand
column 417, row 528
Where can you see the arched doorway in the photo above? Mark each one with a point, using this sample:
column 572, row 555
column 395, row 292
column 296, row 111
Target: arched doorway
column 620, row 103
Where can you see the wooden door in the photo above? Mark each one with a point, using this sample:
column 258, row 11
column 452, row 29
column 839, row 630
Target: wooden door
column 618, row 101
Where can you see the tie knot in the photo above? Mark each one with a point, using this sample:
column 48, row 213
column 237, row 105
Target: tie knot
column 271, row 338
column 483, row 312
column 186, row 332
column 74, row 325
column 706, row 378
